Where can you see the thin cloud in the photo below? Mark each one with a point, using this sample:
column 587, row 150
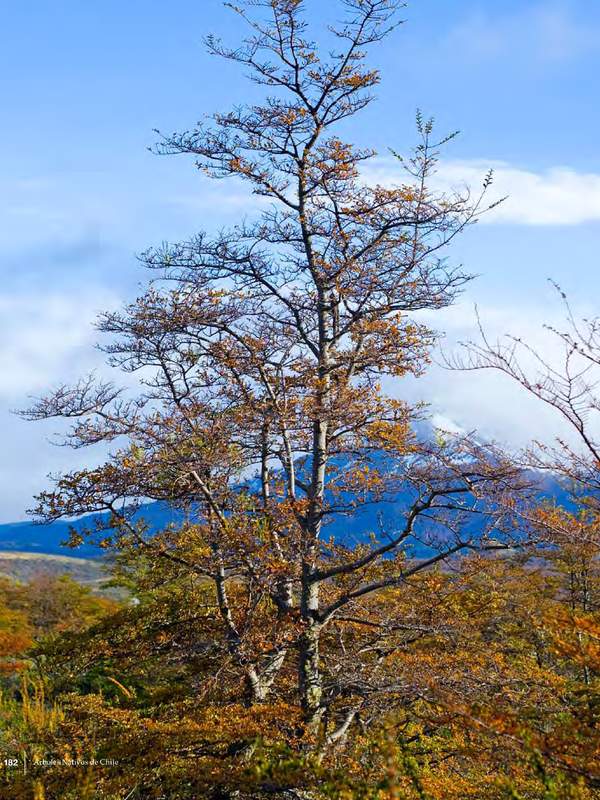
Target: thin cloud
column 545, row 33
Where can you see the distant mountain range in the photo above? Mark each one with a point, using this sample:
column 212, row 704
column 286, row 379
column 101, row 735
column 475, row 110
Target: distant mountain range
column 30, row 537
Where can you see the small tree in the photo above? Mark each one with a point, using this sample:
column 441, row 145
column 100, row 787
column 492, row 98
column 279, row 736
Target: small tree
column 261, row 352
column 567, row 382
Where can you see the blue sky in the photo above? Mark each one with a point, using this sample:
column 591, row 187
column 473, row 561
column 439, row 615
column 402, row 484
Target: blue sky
column 84, row 84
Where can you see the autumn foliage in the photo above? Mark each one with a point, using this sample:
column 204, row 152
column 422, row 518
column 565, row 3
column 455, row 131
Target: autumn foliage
column 451, row 655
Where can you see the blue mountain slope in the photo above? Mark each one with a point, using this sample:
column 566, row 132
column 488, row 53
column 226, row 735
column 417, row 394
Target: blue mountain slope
column 30, row 537
column 348, row 529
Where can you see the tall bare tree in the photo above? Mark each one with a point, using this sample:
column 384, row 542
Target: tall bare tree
column 261, row 352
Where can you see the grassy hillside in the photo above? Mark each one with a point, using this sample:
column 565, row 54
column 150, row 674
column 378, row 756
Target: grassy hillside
column 23, row 566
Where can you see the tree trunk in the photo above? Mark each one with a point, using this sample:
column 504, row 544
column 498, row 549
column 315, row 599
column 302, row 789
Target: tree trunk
column 309, row 678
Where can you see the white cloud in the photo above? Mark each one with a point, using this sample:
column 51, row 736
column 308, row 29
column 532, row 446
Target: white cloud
column 488, row 401
column 556, row 196
column 47, row 337
column 444, row 423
